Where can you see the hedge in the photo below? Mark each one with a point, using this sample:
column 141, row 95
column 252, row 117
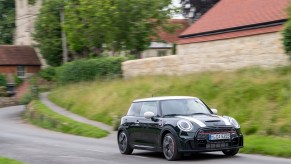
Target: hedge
column 89, row 69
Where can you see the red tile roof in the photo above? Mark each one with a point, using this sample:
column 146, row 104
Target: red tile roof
column 231, row 35
column 18, row 55
column 234, row 14
column 173, row 37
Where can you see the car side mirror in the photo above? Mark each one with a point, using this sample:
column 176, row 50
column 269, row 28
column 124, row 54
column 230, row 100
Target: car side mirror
column 149, row 115
column 214, row 111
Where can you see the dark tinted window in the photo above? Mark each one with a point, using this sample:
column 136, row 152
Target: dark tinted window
column 150, row 106
column 134, row 110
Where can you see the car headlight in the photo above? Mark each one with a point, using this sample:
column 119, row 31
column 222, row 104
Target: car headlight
column 185, row 125
column 233, row 122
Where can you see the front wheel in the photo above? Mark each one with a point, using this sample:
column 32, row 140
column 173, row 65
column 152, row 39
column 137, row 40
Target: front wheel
column 230, row 152
column 123, row 144
column 170, row 148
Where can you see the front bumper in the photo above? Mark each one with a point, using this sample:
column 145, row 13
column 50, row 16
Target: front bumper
column 199, row 141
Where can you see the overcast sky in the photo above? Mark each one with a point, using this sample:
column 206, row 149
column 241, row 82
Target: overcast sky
column 177, row 3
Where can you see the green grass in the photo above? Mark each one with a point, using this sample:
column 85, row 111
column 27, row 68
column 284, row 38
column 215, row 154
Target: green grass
column 39, row 114
column 8, row 161
column 268, row 145
column 260, row 99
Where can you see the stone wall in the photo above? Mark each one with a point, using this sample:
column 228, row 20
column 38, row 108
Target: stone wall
column 7, row 101
column 26, row 15
column 156, row 52
column 263, row 50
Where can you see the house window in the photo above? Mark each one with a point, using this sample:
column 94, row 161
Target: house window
column 21, row 71
column 162, row 52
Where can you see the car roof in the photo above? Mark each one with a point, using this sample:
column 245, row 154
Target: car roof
column 164, row 98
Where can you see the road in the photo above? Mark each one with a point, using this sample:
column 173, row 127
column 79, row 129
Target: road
column 34, row 145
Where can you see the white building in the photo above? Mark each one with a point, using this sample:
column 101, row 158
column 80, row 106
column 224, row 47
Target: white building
column 26, row 15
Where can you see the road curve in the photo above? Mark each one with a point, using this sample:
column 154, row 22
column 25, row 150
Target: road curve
column 34, row 145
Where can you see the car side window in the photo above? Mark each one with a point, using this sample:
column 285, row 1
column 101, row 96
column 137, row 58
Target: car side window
column 150, row 106
column 134, row 110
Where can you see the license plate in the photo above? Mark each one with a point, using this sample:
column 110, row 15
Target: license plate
column 219, row 136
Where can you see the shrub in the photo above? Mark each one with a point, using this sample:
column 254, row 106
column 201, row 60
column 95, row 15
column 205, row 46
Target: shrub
column 48, row 73
column 17, row 80
column 26, row 99
column 89, row 69
column 2, row 80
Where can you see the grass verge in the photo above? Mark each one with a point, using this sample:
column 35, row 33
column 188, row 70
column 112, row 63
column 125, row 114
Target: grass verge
column 260, row 99
column 267, row 145
column 9, row 161
column 39, row 114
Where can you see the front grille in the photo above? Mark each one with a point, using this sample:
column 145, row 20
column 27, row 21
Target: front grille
column 202, row 141
column 217, row 145
column 203, row 133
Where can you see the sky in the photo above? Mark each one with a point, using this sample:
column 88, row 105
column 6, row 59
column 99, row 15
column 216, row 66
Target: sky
column 177, row 3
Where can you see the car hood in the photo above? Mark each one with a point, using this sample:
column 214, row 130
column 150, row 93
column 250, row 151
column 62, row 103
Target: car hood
column 207, row 120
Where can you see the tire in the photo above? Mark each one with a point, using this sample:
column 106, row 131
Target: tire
column 170, row 148
column 230, row 152
column 123, row 144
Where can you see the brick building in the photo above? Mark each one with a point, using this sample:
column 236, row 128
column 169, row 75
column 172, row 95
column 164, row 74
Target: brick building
column 21, row 61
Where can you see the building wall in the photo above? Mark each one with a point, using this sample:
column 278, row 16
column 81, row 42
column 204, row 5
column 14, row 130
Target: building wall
column 25, row 18
column 30, row 70
column 263, row 50
column 155, row 52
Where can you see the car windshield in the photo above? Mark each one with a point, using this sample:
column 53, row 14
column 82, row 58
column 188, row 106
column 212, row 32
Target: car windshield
column 183, row 107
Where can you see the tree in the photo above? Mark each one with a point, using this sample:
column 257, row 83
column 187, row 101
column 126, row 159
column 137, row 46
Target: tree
column 88, row 25
column 116, row 25
column 287, row 34
column 7, row 21
column 137, row 21
column 194, row 9
column 48, row 32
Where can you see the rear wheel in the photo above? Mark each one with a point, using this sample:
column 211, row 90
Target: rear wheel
column 230, row 152
column 170, row 148
column 123, row 143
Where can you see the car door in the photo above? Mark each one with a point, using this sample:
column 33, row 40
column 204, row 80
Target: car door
column 150, row 130
column 132, row 122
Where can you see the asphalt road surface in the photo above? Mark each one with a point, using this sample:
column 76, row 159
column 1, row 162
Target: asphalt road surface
column 34, row 145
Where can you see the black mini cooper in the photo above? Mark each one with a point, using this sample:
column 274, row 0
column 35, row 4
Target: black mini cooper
column 175, row 125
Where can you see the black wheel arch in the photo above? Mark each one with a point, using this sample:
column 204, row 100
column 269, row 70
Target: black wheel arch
column 166, row 130
column 122, row 129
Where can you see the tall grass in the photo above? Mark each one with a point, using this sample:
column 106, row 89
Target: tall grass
column 259, row 99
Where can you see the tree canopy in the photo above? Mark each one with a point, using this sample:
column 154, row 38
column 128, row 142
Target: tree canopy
column 48, row 32
column 194, row 9
column 7, row 21
column 95, row 27
column 117, row 24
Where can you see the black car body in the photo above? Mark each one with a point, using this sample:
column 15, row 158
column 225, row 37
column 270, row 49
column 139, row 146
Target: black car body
column 175, row 125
